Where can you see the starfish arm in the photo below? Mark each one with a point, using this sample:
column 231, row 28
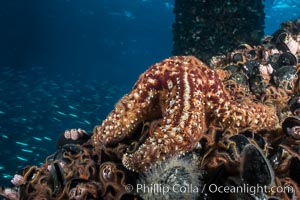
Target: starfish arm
column 157, row 148
column 233, row 115
column 166, row 139
column 140, row 104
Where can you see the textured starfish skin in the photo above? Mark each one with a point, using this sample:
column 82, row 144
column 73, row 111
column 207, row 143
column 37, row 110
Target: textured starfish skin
column 186, row 96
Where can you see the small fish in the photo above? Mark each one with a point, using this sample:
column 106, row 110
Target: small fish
column 87, row 122
column 5, row 136
column 2, row 112
column 61, row 113
column 2, row 167
column 73, row 115
column 21, row 143
column 22, row 159
column 56, row 119
column 27, row 150
column 79, row 122
column 72, row 107
column 47, row 138
column 37, row 138
column 7, row 176
column 55, row 106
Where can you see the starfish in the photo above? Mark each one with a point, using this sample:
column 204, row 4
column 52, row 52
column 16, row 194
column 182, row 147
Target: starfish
column 186, row 96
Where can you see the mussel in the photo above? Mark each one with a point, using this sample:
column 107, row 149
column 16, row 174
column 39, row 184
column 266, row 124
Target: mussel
column 256, row 169
column 56, row 178
column 294, row 105
column 284, row 76
column 287, row 58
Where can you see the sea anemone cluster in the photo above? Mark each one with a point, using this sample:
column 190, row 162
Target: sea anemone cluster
column 72, row 172
column 206, row 28
column 239, row 159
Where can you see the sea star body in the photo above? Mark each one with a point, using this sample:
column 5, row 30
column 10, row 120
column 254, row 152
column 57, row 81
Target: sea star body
column 186, row 96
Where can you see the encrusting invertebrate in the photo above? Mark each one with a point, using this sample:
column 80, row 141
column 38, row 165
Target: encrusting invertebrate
column 187, row 96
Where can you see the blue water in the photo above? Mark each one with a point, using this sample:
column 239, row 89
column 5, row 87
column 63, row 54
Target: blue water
column 278, row 11
column 65, row 63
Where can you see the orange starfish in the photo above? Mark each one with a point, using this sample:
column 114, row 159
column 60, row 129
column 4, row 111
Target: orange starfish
column 186, row 95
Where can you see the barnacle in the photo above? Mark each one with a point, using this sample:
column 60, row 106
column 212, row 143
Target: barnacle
column 84, row 190
column 291, row 127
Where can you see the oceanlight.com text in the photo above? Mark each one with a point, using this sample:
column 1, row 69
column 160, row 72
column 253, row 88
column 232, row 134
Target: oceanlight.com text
column 212, row 188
